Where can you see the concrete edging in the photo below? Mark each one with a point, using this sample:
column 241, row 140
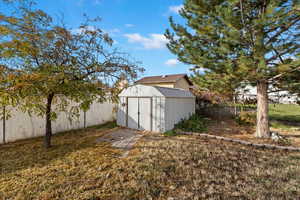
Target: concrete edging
column 267, row 146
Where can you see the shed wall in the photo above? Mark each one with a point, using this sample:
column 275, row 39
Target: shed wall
column 122, row 112
column 158, row 114
column 178, row 109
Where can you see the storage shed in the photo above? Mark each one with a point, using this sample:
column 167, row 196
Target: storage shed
column 154, row 108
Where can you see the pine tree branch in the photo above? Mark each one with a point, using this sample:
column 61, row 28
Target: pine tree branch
column 282, row 74
column 284, row 28
column 278, row 55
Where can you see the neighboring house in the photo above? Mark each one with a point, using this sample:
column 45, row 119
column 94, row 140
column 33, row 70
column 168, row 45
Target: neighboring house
column 284, row 97
column 180, row 81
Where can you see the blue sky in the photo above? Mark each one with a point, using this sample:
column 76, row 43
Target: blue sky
column 137, row 26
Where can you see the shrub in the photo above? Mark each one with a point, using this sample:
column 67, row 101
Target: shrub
column 284, row 142
column 246, row 118
column 170, row 133
column 195, row 123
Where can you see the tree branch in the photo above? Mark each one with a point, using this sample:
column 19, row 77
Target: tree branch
column 285, row 28
column 282, row 74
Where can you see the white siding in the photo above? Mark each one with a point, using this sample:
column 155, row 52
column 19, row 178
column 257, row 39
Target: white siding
column 284, row 97
column 121, row 113
column 178, row 109
column 133, row 116
column 158, row 114
column 145, row 113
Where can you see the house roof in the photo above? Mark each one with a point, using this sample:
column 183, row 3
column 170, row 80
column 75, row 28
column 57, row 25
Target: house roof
column 171, row 78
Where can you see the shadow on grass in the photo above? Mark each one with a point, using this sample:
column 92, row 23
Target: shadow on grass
column 291, row 136
column 286, row 120
column 30, row 153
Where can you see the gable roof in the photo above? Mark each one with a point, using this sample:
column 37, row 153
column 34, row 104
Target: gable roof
column 155, row 91
column 171, row 78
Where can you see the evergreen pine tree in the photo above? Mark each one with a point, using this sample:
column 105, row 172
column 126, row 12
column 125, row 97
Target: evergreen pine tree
column 240, row 40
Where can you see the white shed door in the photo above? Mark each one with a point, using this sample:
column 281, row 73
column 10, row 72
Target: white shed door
column 139, row 113
column 133, row 113
column 145, row 114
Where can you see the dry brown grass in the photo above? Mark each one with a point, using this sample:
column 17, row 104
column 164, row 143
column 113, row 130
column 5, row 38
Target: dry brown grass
column 28, row 171
column 182, row 167
column 195, row 168
column 229, row 128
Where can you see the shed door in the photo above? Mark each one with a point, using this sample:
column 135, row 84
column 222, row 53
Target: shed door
column 133, row 113
column 145, row 114
column 139, row 113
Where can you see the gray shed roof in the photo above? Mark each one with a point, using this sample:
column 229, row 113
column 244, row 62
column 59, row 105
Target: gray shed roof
column 150, row 91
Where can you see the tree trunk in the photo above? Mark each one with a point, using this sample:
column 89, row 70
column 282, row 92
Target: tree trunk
column 47, row 140
column 262, row 126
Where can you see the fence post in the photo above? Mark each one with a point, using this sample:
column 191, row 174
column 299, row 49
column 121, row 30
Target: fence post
column 84, row 119
column 4, row 128
column 234, row 102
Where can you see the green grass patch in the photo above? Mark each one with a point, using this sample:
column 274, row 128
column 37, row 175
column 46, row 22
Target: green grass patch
column 281, row 112
column 280, row 125
column 285, row 112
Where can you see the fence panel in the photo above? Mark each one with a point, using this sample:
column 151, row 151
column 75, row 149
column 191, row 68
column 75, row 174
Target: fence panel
column 23, row 126
column 220, row 112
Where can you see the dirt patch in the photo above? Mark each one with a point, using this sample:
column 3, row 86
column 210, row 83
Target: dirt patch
column 122, row 139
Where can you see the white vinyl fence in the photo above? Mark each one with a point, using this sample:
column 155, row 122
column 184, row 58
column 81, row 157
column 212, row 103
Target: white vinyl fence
column 23, row 126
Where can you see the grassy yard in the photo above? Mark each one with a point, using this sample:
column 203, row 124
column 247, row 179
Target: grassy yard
column 283, row 116
column 159, row 167
column 285, row 112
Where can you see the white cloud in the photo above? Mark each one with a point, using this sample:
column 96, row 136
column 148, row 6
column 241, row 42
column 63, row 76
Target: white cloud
column 82, row 30
column 112, row 32
column 172, row 62
column 129, row 25
column 175, row 9
column 154, row 41
column 115, row 30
